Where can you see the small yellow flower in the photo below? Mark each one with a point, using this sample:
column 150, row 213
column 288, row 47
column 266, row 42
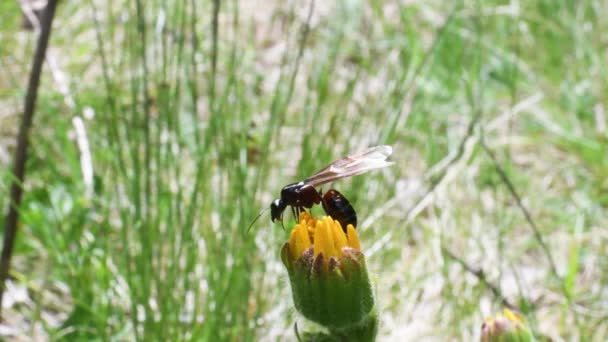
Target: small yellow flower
column 510, row 326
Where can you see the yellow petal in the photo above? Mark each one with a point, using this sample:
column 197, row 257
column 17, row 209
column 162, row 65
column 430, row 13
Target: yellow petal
column 353, row 237
column 340, row 240
column 323, row 240
column 292, row 238
column 513, row 316
column 299, row 241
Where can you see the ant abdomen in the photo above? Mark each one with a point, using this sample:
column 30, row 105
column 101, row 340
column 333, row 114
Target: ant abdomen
column 339, row 208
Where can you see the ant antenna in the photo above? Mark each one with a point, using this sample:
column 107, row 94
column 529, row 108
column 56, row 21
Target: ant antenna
column 256, row 218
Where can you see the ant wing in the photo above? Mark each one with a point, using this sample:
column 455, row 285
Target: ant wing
column 355, row 164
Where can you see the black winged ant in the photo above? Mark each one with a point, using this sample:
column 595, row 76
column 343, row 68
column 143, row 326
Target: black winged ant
column 303, row 195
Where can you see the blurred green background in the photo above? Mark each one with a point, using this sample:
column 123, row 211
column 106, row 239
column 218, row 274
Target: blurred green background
column 164, row 127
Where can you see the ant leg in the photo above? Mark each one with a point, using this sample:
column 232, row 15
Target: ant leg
column 295, row 213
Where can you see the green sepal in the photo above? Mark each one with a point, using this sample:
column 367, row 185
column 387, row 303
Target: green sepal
column 518, row 335
column 285, row 257
column 336, row 294
column 363, row 331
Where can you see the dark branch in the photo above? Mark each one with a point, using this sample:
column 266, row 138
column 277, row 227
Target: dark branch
column 481, row 276
column 505, row 179
column 16, row 192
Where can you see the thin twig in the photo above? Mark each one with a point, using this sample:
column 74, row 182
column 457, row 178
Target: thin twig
column 297, row 332
column 528, row 217
column 507, row 181
column 16, row 194
column 214, row 48
column 481, row 275
column 412, row 211
column 305, row 31
column 278, row 103
column 410, row 89
column 448, row 165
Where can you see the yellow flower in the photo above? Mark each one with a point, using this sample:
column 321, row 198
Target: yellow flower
column 328, row 276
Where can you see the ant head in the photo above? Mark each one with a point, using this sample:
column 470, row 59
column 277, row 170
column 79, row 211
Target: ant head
column 276, row 209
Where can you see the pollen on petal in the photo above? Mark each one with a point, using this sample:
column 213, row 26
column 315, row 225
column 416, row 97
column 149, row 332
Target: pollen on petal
column 353, row 237
column 305, row 217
